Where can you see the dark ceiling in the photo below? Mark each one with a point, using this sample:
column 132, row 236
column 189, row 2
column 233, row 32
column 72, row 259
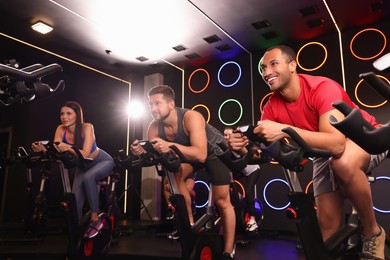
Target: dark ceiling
column 136, row 34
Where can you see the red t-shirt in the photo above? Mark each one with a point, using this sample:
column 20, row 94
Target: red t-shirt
column 316, row 98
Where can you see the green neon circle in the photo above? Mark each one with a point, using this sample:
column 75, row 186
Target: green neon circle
column 220, row 108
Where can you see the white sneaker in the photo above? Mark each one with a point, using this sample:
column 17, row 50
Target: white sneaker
column 252, row 227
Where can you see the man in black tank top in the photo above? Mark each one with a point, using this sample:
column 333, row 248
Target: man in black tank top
column 188, row 130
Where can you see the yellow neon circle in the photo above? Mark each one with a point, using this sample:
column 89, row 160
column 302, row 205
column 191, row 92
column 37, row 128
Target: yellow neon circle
column 372, row 57
column 205, row 107
column 308, row 186
column 262, row 101
column 319, row 66
column 363, row 104
column 192, row 74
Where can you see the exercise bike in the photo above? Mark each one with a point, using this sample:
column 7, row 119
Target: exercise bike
column 81, row 246
column 37, row 208
column 345, row 242
column 200, row 240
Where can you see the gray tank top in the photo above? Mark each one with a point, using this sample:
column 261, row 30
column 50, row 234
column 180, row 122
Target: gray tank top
column 214, row 136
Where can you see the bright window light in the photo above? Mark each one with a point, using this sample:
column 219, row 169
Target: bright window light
column 382, row 63
column 41, row 27
column 135, row 109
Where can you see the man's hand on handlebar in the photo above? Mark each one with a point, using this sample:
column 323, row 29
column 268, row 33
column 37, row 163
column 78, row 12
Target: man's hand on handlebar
column 269, row 130
column 161, row 146
column 136, row 148
column 237, row 142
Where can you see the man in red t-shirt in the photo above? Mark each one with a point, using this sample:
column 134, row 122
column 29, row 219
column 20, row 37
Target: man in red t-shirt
column 304, row 103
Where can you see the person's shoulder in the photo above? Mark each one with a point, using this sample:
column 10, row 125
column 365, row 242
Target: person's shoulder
column 87, row 126
column 314, row 81
column 189, row 113
column 60, row 128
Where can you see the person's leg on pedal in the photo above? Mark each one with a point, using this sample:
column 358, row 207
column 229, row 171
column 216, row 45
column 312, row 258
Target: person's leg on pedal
column 100, row 168
column 221, row 179
column 328, row 198
column 251, row 180
column 349, row 170
column 185, row 170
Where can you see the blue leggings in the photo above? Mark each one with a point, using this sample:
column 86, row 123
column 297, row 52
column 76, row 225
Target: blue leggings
column 85, row 182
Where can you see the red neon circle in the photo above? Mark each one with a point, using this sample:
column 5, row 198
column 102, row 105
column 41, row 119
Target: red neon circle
column 88, row 247
column 206, row 253
column 190, row 77
column 374, row 56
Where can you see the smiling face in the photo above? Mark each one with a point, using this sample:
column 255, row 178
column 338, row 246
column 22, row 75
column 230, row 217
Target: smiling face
column 68, row 116
column 277, row 69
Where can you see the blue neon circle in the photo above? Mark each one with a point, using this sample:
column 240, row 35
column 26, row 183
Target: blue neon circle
column 208, row 188
column 238, row 78
column 265, row 197
column 377, row 209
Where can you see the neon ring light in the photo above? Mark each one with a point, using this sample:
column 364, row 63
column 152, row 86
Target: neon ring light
column 374, row 56
column 322, row 63
column 238, row 78
column 259, row 68
column 308, row 186
column 220, row 108
column 208, row 188
column 363, row 104
column 263, row 100
column 205, row 107
column 241, row 187
column 377, row 209
column 265, row 197
column 205, row 86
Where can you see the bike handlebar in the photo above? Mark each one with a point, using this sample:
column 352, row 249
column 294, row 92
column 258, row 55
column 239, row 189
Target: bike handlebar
column 354, row 126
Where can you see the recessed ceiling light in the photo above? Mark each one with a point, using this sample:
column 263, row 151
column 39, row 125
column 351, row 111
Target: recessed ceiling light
column 212, row 39
column 261, row 24
column 316, row 23
column 224, row 47
column 192, row 56
column 307, row 11
column 142, row 58
column 179, row 48
column 41, row 27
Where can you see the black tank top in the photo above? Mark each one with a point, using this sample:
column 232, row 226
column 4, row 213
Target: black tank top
column 214, row 136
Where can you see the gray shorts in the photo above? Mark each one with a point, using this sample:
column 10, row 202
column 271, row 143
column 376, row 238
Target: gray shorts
column 323, row 178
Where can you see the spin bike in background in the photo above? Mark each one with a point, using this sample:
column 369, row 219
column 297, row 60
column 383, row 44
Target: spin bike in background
column 37, row 211
column 81, row 246
column 25, row 84
column 198, row 241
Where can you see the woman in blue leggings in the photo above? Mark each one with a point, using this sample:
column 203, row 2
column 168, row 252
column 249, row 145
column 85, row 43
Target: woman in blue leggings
column 73, row 131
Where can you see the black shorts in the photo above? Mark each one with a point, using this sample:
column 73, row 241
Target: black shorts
column 218, row 172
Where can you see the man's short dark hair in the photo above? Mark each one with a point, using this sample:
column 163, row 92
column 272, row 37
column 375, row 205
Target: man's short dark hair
column 167, row 92
column 286, row 50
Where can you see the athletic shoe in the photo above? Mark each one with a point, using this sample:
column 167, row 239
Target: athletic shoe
column 174, row 235
column 227, row 256
column 252, row 227
column 93, row 228
column 374, row 247
column 170, row 212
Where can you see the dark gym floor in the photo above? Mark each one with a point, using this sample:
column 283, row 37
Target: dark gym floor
column 146, row 241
